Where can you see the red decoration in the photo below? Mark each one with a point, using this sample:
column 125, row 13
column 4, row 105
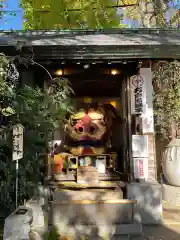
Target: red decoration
column 59, row 165
column 141, row 168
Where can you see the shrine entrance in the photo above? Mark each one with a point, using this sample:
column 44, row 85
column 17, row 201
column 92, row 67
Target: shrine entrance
column 105, row 84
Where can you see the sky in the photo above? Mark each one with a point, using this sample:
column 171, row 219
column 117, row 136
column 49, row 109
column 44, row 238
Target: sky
column 12, row 22
column 9, row 22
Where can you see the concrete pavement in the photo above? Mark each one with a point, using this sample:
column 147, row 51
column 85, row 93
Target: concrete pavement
column 170, row 230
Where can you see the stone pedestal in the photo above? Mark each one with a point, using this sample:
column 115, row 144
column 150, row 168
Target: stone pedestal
column 17, row 224
column 171, row 195
column 94, row 213
column 148, row 209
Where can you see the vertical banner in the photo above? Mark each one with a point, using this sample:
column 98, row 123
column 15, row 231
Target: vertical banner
column 142, row 98
column 136, row 83
column 140, row 156
column 147, row 114
column 17, row 154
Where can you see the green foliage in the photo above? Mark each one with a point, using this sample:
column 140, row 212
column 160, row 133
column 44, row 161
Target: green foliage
column 166, row 97
column 6, row 87
column 70, row 14
column 38, row 110
column 153, row 13
column 53, row 235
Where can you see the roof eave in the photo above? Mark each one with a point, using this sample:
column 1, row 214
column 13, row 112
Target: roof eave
column 97, row 52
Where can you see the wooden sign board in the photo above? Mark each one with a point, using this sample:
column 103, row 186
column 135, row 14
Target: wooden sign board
column 137, row 83
column 140, row 168
column 18, row 131
column 140, row 146
column 142, row 98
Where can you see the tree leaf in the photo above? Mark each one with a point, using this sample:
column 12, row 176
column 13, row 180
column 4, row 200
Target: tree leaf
column 7, row 111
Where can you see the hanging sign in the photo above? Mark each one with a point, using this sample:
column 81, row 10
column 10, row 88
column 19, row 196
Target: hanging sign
column 142, row 98
column 136, row 83
column 140, row 168
column 17, row 142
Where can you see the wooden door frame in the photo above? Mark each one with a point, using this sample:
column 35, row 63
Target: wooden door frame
column 129, row 130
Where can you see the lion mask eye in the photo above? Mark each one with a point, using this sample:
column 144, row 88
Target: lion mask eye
column 79, row 115
column 95, row 116
column 76, row 117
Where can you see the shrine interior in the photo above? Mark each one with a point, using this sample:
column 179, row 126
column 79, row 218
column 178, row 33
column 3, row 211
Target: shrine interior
column 104, row 83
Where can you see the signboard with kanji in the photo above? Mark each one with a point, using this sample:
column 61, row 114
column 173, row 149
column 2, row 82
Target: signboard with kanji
column 140, row 146
column 137, row 85
column 140, row 168
column 18, row 131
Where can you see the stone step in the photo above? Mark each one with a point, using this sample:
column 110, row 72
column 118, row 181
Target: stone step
column 89, row 195
column 109, row 175
column 119, row 232
column 102, row 185
column 71, row 177
column 90, row 207
column 92, row 213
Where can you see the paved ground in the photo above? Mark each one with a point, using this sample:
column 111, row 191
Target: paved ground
column 171, row 228
column 171, row 232
column 171, row 216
